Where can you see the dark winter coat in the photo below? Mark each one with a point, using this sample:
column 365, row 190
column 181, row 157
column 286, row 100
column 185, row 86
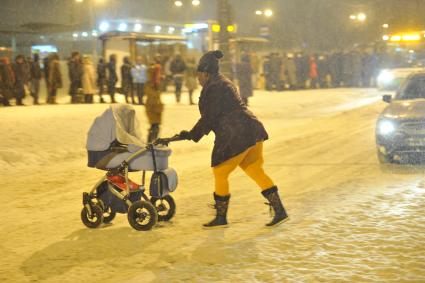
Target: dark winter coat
column 21, row 78
column 35, row 70
column 75, row 71
column 178, row 66
column 244, row 75
column 126, row 80
column 7, row 77
column 101, row 74
column 223, row 112
column 112, row 75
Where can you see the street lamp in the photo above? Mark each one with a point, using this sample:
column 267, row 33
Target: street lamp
column 361, row 17
column 178, row 3
column 268, row 13
column 196, row 2
column 259, row 12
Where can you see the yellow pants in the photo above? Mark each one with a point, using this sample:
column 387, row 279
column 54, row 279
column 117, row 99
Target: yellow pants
column 251, row 161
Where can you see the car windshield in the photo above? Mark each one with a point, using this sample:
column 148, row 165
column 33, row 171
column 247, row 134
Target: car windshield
column 414, row 88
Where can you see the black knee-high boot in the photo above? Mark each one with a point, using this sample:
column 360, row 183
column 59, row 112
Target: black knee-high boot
column 221, row 205
column 275, row 203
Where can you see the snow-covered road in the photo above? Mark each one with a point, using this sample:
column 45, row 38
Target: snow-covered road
column 351, row 219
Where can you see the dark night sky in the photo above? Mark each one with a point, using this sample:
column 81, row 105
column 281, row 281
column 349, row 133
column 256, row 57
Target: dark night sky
column 298, row 23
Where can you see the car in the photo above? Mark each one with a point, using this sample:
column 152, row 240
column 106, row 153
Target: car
column 391, row 79
column 400, row 128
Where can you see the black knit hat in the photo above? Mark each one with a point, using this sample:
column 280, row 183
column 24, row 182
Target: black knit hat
column 209, row 62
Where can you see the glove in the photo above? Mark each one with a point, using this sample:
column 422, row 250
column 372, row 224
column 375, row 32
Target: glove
column 161, row 142
column 185, row 135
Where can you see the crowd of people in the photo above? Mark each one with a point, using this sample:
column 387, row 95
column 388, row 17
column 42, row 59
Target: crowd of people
column 300, row 70
column 276, row 71
column 24, row 75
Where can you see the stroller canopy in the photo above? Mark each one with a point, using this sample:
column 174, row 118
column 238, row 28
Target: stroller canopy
column 120, row 123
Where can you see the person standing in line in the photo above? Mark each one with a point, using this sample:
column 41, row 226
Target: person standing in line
column 239, row 138
column 255, row 66
column 313, row 73
column 112, row 76
column 126, row 80
column 46, row 63
column 190, row 78
column 244, row 76
column 291, row 71
column 139, row 75
column 75, row 69
column 88, row 80
column 7, row 80
column 21, row 78
column 177, row 67
column 154, row 106
column 101, row 78
column 35, row 74
column 55, row 77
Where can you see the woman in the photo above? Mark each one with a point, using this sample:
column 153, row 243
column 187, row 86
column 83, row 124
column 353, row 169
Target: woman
column 190, row 78
column 239, row 138
column 101, row 78
column 154, row 106
column 126, row 80
column 88, row 80
column 112, row 76
column 55, row 78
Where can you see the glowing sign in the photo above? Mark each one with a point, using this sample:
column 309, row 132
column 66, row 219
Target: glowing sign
column 231, row 28
column 405, row 37
column 215, row 28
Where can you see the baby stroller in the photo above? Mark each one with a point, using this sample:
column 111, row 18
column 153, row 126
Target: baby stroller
column 114, row 145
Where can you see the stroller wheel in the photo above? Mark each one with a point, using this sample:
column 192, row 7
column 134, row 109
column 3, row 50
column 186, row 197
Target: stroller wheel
column 142, row 215
column 166, row 207
column 94, row 220
column 108, row 214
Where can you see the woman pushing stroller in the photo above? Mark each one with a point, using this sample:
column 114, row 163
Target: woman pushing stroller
column 239, row 138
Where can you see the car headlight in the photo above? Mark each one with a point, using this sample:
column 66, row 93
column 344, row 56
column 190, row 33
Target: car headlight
column 385, row 77
column 386, row 127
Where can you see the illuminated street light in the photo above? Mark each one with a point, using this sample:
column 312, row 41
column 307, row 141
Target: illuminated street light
column 122, row 27
column 104, row 26
column 353, row 17
column 196, row 2
column 361, row 17
column 137, row 27
column 178, row 3
column 258, row 12
column 75, row 35
column 385, row 25
column 268, row 13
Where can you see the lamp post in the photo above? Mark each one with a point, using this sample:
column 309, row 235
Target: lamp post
column 225, row 19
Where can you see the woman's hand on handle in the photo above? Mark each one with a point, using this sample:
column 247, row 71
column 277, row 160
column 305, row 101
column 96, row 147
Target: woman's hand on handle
column 184, row 135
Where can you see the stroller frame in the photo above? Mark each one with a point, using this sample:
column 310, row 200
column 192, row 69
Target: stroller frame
column 92, row 208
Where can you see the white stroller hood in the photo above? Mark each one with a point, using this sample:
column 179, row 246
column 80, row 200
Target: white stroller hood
column 120, row 123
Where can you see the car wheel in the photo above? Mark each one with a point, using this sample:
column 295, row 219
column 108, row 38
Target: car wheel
column 382, row 158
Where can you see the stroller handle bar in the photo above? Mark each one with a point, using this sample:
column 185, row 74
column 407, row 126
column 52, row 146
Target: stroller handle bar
column 166, row 141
